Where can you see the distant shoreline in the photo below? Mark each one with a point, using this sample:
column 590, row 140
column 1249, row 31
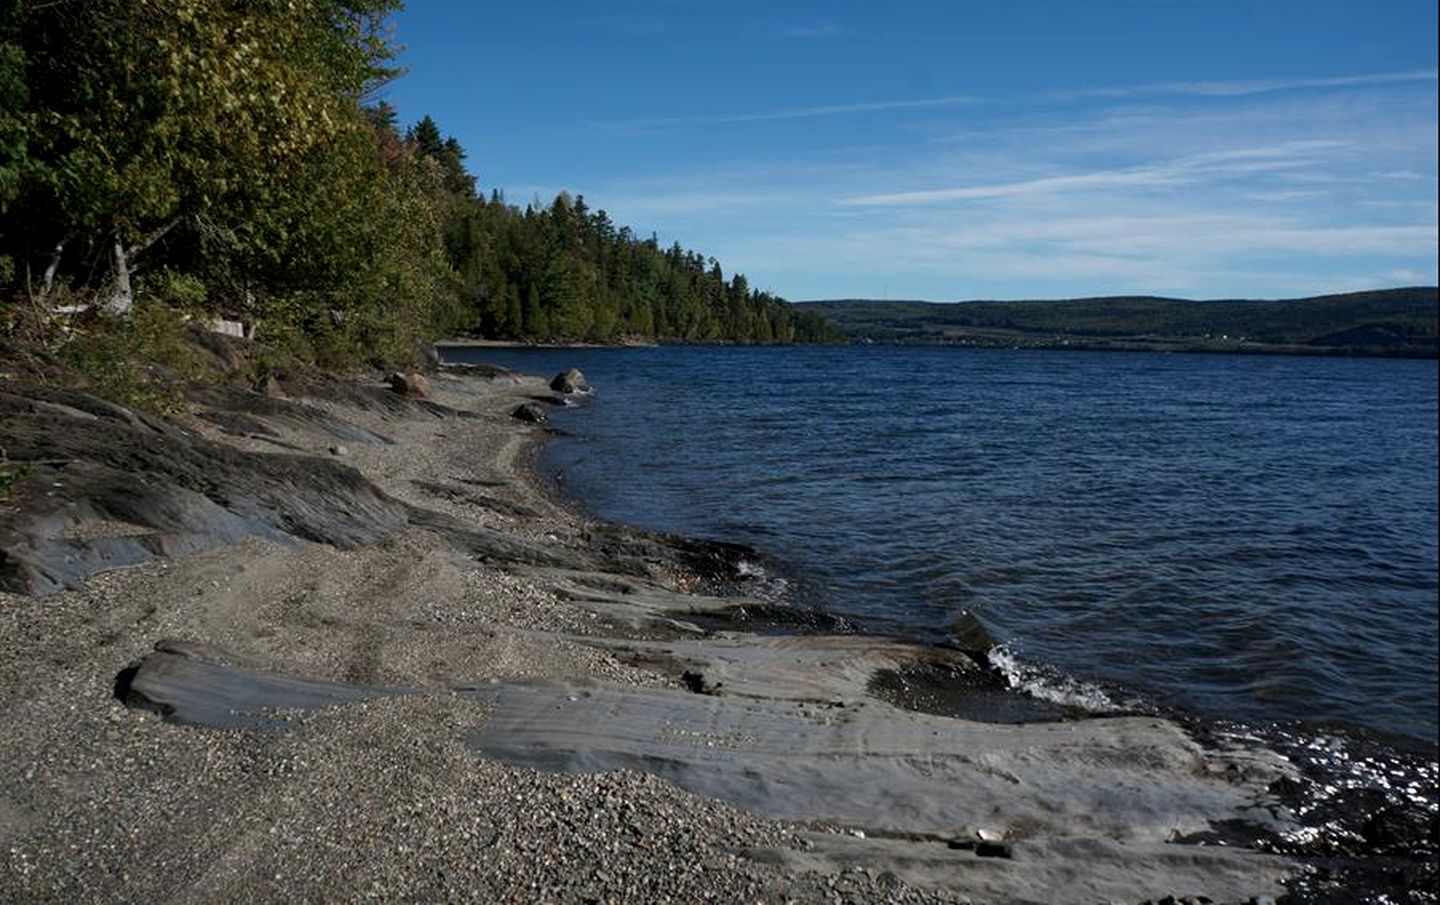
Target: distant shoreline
column 1387, row 323
column 463, row 342
column 1185, row 346
column 1018, row 342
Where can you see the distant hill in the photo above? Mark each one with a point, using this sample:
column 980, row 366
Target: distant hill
column 1390, row 322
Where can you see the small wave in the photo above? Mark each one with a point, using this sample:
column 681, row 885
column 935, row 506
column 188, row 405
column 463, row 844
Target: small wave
column 1049, row 684
column 760, row 584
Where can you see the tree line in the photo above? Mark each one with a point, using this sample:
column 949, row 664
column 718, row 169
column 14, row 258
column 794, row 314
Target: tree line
column 205, row 158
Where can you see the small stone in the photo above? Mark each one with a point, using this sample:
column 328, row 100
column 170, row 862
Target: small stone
column 992, row 850
column 339, row 450
column 412, row 384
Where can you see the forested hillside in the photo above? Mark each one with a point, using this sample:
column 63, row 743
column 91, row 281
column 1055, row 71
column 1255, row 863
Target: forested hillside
column 165, row 162
column 1382, row 322
column 567, row 272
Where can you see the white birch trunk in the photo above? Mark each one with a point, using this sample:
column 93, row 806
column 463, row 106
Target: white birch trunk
column 122, row 296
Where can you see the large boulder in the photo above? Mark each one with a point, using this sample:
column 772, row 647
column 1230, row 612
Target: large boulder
column 572, row 381
column 410, row 384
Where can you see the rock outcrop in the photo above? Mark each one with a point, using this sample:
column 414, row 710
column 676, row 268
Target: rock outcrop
column 570, row 381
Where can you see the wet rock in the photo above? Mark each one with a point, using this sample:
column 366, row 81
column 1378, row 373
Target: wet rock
column 766, row 619
column 412, row 384
column 531, row 412
column 970, row 634
column 1396, row 828
column 945, row 682
column 571, row 381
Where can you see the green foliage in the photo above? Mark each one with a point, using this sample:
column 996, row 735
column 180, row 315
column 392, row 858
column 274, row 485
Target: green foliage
column 11, row 474
column 566, row 273
column 137, row 360
column 181, row 291
column 205, row 158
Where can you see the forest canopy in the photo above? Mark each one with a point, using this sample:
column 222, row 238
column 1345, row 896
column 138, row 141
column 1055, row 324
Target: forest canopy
column 203, row 159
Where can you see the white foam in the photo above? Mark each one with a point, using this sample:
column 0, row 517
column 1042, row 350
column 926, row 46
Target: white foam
column 1048, row 684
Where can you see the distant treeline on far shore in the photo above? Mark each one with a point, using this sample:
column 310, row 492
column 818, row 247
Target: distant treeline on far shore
column 1390, row 322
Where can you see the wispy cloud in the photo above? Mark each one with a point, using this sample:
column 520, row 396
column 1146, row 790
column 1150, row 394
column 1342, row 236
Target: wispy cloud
column 1233, row 193
column 1047, row 185
column 1212, row 89
column 808, row 112
column 1233, row 162
column 1239, row 88
column 819, row 31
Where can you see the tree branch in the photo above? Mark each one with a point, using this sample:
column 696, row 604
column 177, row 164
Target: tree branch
column 147, row 241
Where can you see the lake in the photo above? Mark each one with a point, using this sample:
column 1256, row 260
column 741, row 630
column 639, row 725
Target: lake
column 1241, row 537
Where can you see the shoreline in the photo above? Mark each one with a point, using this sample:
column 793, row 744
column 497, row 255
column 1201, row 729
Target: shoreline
column 461, row 342
column 527, row 687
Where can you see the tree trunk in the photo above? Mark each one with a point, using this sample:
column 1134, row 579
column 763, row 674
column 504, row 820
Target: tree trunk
column 122, row 297
column 47, row 282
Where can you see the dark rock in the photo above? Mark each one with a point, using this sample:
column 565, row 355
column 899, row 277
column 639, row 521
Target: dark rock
column 529, row 411
column 993, row 850
column 766, row 619
column 192, row 493
column 1396, row 828
column 238, row 423
column 696, row 682
column 572, row 381
column 970, row 635
column 412, row 384
column 295, row 414
column 946, row 682
column 268, row 386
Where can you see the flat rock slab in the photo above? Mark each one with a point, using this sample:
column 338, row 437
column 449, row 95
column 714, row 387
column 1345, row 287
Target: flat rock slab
column 184, row 687
column 875, row 766
column 1082, row 810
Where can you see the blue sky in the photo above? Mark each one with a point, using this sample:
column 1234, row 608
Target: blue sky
column 965, row 149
